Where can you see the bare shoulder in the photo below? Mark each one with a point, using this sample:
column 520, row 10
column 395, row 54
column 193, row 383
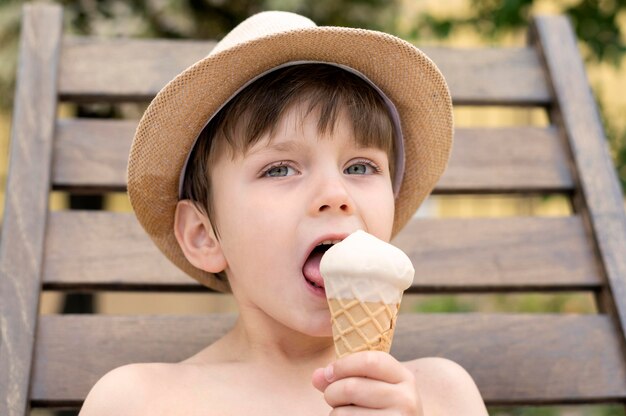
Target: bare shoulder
column 124, row 390
column 186, row 388
column 446, row 387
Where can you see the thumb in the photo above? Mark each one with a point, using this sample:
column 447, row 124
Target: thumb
column 319, row 380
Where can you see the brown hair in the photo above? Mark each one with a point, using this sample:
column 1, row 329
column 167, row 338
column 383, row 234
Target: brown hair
column 257, row 109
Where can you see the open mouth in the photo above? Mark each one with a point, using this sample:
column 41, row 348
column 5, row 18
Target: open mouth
column 311, row 268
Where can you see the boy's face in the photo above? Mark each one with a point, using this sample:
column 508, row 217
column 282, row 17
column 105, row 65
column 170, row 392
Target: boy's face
column 274, row 204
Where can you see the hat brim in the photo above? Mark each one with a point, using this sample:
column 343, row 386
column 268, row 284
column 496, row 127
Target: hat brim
column 171, row 124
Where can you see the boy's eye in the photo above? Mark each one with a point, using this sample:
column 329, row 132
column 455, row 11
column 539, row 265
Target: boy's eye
column 279, row 170
column 361, row 168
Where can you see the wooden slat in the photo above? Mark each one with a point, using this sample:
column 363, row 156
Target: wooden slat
column 602, row 202
column 110, row 250
column 489, row 254
column 514, row 159
column 97, row 69
column 76, row 162
column 26, row 202
column 513, row 358
column 499, row 76
column 500, row 160
column 113, row 69
column 522, row 359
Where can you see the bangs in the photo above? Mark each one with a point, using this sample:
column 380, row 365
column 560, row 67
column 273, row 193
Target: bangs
column 316, row 88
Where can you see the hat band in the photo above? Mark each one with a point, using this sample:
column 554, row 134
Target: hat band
column 393, row 112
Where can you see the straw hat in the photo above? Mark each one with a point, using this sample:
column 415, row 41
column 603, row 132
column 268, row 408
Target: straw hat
column 171, row 124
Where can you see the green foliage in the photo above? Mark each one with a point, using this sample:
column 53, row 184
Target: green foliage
column 617, row 143
column 190, row 19
column 368, row 14
column 525, row 411
column 444, row 303
column 595, row 23
column 605, row 410
column 568, row 302
column 211, row 19
column 10, row 13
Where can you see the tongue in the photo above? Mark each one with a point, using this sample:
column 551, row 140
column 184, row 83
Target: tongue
column 311, row 269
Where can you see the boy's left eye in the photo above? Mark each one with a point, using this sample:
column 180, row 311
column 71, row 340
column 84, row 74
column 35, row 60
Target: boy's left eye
column 361, row 168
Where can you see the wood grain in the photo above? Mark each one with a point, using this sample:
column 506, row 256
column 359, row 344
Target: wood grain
column 492, row 76
column 498, row 254
column 503, row 160
column 513, row 358
column 110, row 250
column 77, row 166
column 602, row 202
column 135, row 70
column 99, row 69
column 26, row 201
column 497, row 160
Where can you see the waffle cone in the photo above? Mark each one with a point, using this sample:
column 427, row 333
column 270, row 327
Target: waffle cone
column 362, row 326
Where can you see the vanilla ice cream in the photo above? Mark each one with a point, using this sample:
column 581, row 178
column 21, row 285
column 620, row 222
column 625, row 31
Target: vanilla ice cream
column 364, row 279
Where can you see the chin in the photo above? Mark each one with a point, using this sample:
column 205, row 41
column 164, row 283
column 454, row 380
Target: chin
column 323, row 333
column 319, row 330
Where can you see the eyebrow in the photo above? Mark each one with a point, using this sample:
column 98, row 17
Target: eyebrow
column 285, row 146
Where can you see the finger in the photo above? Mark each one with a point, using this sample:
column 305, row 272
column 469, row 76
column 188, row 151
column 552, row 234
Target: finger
column 319, row 380
column 322, row 377
column 359, row 391
column 377, row 365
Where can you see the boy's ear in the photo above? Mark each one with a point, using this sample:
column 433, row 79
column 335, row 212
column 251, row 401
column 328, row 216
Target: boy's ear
column 197, row 239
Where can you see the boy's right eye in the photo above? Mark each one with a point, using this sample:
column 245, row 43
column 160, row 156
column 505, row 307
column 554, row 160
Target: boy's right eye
column 279, row 170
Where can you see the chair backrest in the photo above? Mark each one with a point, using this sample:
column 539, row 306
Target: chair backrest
column 53, row 360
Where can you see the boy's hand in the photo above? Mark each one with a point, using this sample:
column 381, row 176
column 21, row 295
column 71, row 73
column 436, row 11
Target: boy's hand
column 368, row 382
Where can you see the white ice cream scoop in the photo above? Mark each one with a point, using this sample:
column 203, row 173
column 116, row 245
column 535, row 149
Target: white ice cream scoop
column 362, row 262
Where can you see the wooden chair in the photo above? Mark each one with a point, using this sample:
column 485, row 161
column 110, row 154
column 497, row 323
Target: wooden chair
column 53, row 360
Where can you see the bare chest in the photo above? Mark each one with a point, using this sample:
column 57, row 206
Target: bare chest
column 236, row 393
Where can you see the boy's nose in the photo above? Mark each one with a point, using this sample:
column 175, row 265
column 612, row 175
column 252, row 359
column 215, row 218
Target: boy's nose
column 332, row 196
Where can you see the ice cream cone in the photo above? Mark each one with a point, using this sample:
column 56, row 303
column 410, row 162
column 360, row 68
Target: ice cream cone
column 364, row 280
column 362, row 326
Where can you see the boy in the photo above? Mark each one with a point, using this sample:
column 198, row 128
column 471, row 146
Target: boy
column 286, row 136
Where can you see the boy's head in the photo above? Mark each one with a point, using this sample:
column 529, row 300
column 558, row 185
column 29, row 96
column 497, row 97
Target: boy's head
column 322, row 89
column 390, row 93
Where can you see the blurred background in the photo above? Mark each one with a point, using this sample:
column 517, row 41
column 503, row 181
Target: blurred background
column 599, row 25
